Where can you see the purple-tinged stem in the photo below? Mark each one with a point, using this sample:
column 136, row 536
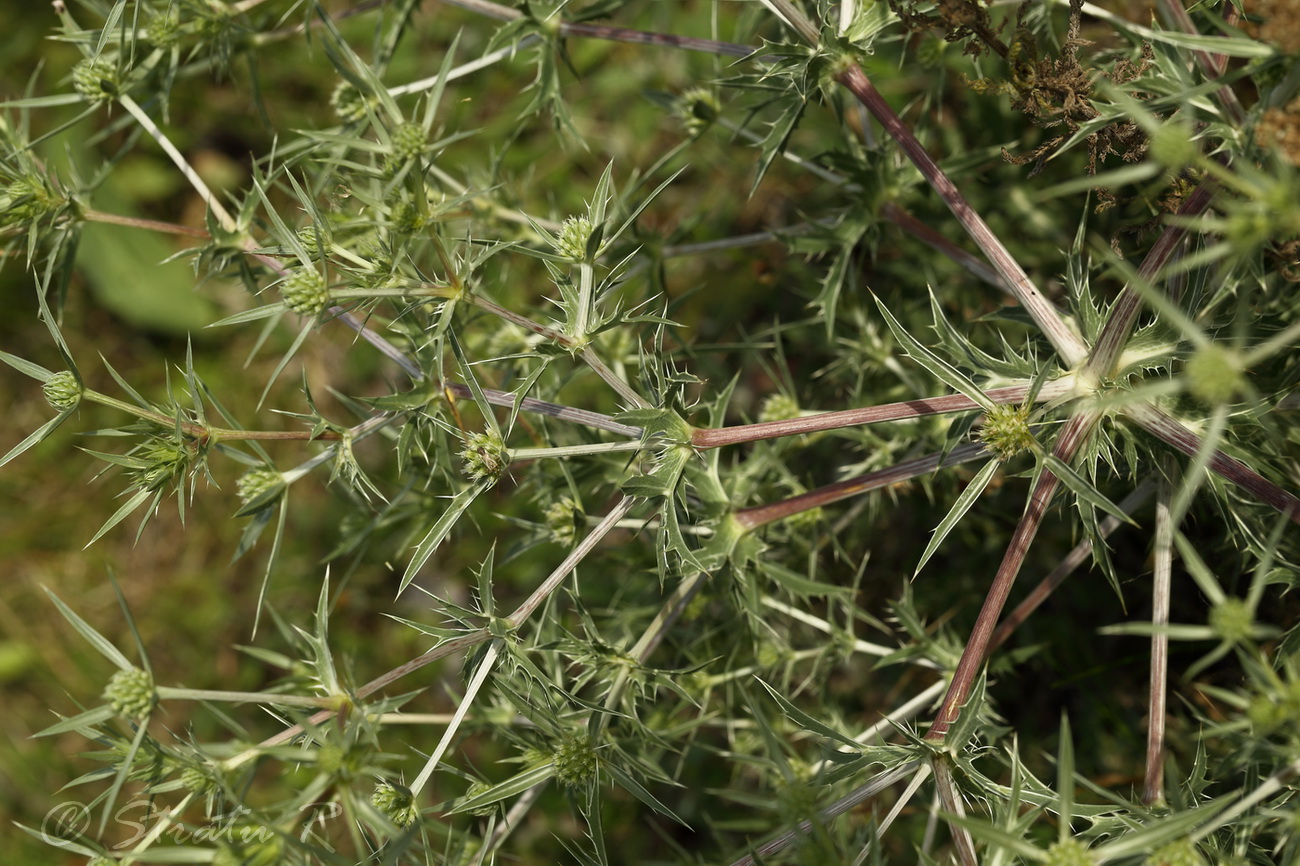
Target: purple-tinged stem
column 761, row 515
column 1170, row 431
column 952, row 804
column 717, row 437
column 1067, row 344
column 1066, row 567
column 1212, row 65
column 1115, row 333
column 928, row 236
column 1073, row 434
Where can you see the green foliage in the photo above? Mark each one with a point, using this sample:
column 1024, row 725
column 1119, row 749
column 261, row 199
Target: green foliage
column 621, row 393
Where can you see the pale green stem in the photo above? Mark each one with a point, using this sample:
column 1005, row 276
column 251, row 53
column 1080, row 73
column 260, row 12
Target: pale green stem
column 227, row 221
column 602, row 370
column 650, row 639
column 617, row 513
column 1153, row 786
column 471, row 691
column 457, row 644
column 589, row 355
column 400, row 292
column 786, row 11
column 808, row 619
column 114, row 403
column 1283, row 339
column 464, row 69
column 512, row 820
column 586, row 288
column 574, row 450
column 903, row 799
column 860, row 795
column 434, row 719
column 750, row 670
column 166, row 820
column 168, row 693
column 345, row 253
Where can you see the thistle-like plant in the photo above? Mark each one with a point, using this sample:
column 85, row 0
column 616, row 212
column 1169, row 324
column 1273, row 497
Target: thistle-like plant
column 612, row 621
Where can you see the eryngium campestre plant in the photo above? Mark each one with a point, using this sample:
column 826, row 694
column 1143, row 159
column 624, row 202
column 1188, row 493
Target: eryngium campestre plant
column 660, row 425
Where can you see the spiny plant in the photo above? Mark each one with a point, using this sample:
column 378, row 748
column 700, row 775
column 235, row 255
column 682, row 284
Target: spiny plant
column 661, row 646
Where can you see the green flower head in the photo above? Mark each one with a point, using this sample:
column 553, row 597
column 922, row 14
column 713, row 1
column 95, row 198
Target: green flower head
column 96, row 79
column 396, row 802
column 305, row 292
column 574, row 236
column 130, row 693
column 62, row 391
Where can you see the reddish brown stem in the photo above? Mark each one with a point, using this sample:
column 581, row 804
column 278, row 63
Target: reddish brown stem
column 1169, row 430
column 1115, row 333
column 1075, row 431
column 1067, row 566
column 97, row 216
column 760, row 515
column 719, row 436
column 1067, row 344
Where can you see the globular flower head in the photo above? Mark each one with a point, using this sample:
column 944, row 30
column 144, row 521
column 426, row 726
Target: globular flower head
column 698, row 108
column 779, row 407
column 1179, row 853
column 96, row 79
column 157, row 462
column 572, row 241
column 62, row 391
column 1006, row 431
column 485, row 456
column 1172, row 145
column 408, row 141
column 28, row 199
column 314, row 237
column 396, row 802
column 562, row 518
column 165, row 29
column 575, row 760
column 130, row 693
column 349, row 103
column 1232, row 620
column 1213, row 374
column 476, row 789
column 305, row 292
column 198, row 779
column 406, row 218
column 256, row 482
column 1069, row 852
